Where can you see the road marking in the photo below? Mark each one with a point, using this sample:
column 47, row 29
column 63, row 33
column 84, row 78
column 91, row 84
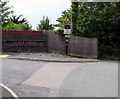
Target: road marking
column 4, row 56
column 10, row 91
column 51, row 75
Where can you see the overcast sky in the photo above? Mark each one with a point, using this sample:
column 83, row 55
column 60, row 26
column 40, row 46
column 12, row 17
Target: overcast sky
column 34, row 10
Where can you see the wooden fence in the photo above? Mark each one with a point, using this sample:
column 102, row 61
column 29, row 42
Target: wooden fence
column 37, row 41
column 77, row 46
column 24, row 41
column 83, row 47
column 56, row 43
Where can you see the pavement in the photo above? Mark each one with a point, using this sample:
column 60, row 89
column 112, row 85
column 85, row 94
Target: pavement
column 47, row 57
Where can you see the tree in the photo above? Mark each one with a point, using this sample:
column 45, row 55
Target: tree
column 5, row 11
column 74, row 17
column 60, row 20
column 11, row 23
column 17, row 27
column 99, row 20
column 45, row 24
column 17, row 20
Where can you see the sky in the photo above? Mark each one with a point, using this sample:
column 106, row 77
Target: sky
column 34, row 10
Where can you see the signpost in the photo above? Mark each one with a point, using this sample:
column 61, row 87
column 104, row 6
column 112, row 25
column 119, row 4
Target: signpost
column 67, row 32
column 67, row 26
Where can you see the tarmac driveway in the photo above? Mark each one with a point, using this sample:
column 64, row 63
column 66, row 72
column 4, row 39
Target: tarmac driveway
column 45, row 79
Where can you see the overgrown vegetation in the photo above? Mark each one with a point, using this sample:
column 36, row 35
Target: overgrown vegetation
column 99, row 20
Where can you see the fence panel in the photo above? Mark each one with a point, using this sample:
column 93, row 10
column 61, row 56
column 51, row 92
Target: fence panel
column 81, row 46
column 56, row 42
column 18, row 41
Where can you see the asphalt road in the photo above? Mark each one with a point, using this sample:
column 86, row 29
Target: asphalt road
column 4, row 92
column 98, row 79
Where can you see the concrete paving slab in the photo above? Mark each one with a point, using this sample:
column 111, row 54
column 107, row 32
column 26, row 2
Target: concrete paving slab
column 51, row 75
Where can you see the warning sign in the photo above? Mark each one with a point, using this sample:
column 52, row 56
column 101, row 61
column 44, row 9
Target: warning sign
column 67, row 26
column 67, row 21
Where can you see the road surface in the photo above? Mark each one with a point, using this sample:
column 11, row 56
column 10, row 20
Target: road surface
column 4, row 92
column 45, row 79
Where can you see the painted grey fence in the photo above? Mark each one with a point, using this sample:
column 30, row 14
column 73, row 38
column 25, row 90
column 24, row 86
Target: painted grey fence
column 77, row 46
